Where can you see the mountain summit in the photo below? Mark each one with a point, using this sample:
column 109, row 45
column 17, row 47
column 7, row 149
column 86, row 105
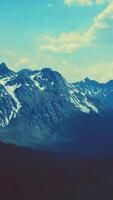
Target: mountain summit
column 5, row 71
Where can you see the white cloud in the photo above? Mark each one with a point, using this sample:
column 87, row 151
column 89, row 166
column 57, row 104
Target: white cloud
column 69, row 42
column 85, row 2
column 50, row 5
column 65, row 42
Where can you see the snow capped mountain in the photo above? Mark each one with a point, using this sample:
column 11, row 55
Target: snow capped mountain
column 33, row 89
column 102, row 92
column 42, row 104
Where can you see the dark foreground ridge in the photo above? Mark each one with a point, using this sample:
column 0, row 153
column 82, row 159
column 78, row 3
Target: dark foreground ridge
column 30, row 175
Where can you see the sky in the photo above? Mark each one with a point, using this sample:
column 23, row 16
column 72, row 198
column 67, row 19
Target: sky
column 74, row 37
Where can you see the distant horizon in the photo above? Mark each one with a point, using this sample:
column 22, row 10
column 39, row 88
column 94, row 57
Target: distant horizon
column 33, row 68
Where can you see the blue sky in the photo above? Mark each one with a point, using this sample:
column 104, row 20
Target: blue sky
column 74, row 37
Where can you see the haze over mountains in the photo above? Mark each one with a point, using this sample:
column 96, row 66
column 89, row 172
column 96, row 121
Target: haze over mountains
column 41, row 107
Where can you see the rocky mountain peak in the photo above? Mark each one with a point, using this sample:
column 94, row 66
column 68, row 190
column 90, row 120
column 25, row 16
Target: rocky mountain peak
column 5, row 71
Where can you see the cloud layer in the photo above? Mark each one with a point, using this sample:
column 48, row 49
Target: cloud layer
column 69, row 42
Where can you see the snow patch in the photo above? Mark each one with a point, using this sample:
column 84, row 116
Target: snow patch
column 11, row 92
column 36, row 82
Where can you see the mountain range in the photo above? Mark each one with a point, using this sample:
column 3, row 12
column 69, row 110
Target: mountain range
column 39, row 107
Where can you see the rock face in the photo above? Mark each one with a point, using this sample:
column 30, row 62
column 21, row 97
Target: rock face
column 41, row 106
